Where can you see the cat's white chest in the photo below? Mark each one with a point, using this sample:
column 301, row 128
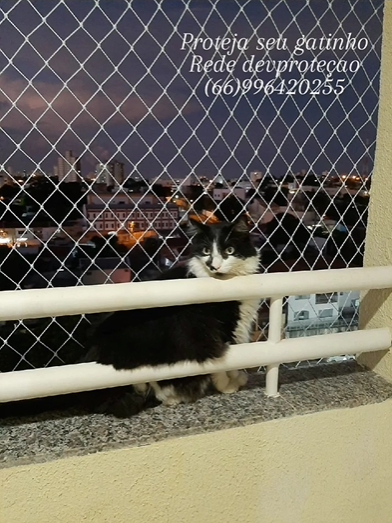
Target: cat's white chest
column 247, row 317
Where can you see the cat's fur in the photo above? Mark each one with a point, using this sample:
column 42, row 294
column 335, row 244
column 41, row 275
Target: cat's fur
column 199, row 332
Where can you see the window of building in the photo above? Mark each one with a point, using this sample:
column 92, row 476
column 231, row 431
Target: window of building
column 329, row 297
column 326, row 313
column 301, row 315
column 302, row 297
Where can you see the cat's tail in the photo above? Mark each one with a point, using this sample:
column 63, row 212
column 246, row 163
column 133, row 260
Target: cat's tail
column 121, row 402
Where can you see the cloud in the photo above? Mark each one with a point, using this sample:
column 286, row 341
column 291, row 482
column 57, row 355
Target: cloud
column 78, row 117
column 51, row 106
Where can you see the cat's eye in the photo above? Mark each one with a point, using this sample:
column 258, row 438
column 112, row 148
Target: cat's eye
column 206, row 251
column 229, row 250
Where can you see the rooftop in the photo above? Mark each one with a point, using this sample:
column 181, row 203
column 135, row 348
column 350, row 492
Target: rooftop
column 130, row 205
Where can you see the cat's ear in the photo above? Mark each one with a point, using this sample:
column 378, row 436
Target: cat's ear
column 195, row 226
column 240, row 225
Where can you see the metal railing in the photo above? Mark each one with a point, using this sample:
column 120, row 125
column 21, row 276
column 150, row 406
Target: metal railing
column 35, row 383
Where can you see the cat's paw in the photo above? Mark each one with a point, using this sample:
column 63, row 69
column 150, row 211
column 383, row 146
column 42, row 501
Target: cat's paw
column 221, row 381
column 238, row 377
column 232, row 387
column 171, row 401
column 229, row 382
column 141, row 388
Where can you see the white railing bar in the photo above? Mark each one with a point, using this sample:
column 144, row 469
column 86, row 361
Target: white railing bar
column 52, row 381
column 41, row 303
column 274, row 336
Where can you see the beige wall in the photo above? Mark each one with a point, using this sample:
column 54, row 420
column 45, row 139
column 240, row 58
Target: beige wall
column 330, row 467
column 376, row 306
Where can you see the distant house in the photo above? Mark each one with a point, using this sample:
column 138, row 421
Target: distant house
column 131, row 216
column 35, row 233
column 104, row 270
column 57, row 278
column 321, row 313
column 84, row 271
column 220, row 194
column 120, row 198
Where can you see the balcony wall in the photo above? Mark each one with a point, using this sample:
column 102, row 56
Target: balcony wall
column 376, row 306
column 330, row 467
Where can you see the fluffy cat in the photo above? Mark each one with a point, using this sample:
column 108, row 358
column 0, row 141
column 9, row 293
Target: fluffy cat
column 199, row 332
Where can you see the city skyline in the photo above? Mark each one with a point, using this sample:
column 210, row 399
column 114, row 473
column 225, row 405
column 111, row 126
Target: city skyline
column 134, row 99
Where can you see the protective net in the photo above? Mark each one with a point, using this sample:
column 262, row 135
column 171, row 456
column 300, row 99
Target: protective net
column 122, row 119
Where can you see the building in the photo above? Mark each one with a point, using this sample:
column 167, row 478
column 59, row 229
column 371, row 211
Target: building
column 102, row 174
column 68, row 168
column 262, row 213
column 220, row 194
column 120, row 198
column 38, row 233
column 177, row 184
column 104, row 270
column 313, row 314
column 255, row 177
column 109, row 174
column 131, row 217
column 117, row 171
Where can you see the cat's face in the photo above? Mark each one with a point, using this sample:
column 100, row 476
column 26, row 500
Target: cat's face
column 222, row 250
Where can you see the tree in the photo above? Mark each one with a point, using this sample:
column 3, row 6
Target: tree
column 204, row 203
column 193, row 192
column 59, row 200
column 230, row 208
column 319, row 201
column 8, row 192
column 135, row 185
column 310, row 179
column 341, row 246
column 277, row 195
column 287, row 230
column 160, row 190
column 108, row 246
column 13, row 268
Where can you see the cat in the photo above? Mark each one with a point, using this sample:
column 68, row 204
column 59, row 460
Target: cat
column 199, row 332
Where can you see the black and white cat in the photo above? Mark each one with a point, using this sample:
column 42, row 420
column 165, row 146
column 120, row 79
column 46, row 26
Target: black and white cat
column 200, row 332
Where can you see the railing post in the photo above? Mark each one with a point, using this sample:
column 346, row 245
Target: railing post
column 274, row 336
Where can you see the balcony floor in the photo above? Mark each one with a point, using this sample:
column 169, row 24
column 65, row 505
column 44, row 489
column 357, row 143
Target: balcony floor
column 69, row 432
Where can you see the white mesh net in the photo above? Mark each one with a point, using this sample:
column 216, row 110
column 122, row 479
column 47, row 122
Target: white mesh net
column 115, row 128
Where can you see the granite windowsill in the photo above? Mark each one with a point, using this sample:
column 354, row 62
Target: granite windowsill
column 53, row 435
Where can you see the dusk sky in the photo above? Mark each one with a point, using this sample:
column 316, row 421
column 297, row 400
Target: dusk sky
column 108, row 79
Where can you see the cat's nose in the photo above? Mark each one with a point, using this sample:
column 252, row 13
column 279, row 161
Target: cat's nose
column 215, row 263
column 215, row 267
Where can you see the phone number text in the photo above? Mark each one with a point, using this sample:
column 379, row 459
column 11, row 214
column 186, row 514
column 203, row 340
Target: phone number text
column 237, row 87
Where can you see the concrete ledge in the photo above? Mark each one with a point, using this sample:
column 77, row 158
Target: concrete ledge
column 65, row 431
